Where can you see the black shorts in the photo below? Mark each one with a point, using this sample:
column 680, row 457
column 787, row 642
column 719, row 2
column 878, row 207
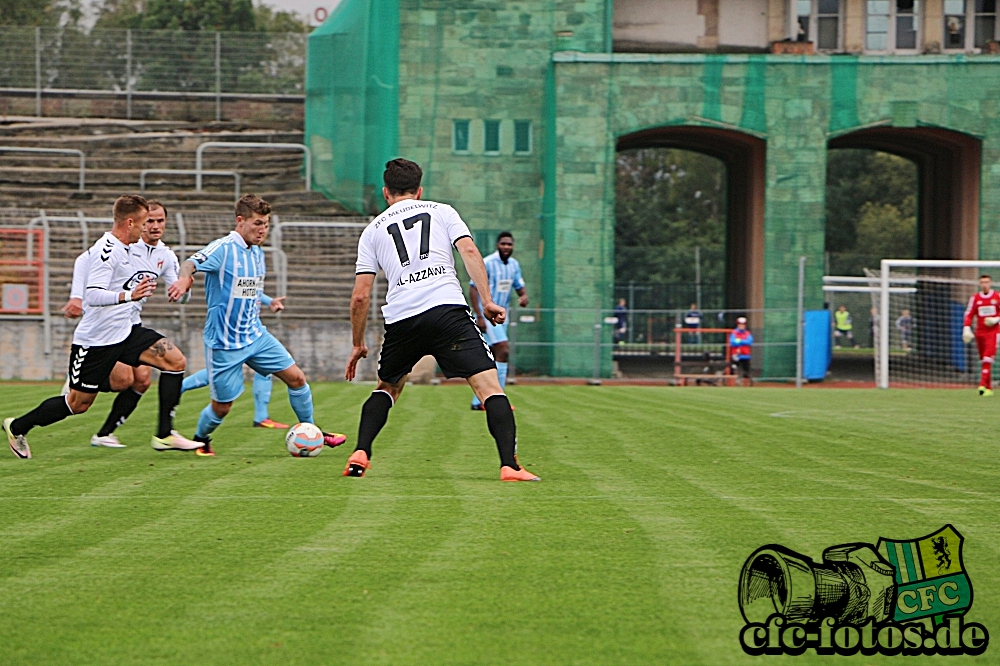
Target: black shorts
column 446, row 332
column 89, row 367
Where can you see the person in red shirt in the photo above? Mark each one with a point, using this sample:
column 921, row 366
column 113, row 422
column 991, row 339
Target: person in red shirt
column 985, row 307
column 740, row 343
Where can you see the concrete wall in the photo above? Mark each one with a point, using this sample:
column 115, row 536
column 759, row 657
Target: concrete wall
column 548, row 62
column 743, row 23
column 320, row 348
column 659, row 23
column 796, row 105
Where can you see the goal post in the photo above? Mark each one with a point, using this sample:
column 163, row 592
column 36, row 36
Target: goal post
column 935, row 289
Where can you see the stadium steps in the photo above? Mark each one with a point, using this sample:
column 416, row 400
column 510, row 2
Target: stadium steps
column 320, row 260
column 117, row 151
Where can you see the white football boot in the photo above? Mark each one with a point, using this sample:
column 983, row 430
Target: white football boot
column 18, row 443
column 175, row 442
column 107, row 441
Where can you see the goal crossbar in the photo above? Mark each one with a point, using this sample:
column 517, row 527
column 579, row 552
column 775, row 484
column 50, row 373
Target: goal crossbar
column 884, row 290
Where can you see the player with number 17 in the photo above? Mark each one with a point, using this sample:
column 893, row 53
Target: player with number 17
column 425, row 312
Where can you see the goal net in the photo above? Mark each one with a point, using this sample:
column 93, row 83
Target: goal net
column 919, row 306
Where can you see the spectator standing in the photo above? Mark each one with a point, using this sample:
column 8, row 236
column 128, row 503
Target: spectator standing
column 843, row 327
column 905, row 326
column 740, row 344
column 621, row 327
column 693, row 320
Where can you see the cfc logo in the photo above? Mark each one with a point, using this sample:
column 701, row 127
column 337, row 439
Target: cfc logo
column 897, row 597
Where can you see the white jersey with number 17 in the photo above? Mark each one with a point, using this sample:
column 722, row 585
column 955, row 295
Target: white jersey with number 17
column 412, row 243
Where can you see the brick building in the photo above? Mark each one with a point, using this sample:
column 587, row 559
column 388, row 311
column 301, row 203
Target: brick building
column 516, row 110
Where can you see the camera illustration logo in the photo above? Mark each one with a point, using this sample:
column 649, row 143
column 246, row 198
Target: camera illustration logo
column 898, row 597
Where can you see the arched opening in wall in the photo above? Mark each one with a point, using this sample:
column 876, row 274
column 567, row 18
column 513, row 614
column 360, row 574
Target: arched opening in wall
column 901, row 193
column 678, row 188
column 945, row 188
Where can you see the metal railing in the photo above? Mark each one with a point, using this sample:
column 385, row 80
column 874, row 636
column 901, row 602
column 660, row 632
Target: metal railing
column 57, row 151
column 192, row 172
column 199, row 153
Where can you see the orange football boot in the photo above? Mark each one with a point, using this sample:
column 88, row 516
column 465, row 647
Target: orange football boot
column 270, row 423
column 357, row 464
column 511, row 474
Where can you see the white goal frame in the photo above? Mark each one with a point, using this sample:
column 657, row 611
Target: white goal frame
column 882, row 379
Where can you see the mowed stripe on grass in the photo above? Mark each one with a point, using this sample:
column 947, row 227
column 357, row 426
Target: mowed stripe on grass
column 627, row 552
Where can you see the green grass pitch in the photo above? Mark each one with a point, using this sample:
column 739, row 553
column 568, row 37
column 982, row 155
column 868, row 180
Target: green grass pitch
column 627, row 552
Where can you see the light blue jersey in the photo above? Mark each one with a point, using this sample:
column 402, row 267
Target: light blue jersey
column 503, row 277
column 234, row 281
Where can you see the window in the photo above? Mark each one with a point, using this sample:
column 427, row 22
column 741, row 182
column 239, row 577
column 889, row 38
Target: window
column 892, row 25
column 877, row 25
column 819, row 22
column 906, row 23
column 828, row 24
column 805, row 19
column 460, row 136
column 491, row 137
column 986, row 22
column 954, row 24
column 522, row 137
column 960, row 16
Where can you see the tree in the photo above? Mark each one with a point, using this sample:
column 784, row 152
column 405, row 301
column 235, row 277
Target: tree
column 30, row 12
column 870, row 209
column 221, row 15
column 193, row 15
column 667, row 202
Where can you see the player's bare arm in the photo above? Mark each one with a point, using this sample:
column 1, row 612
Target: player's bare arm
column 184, row 281
column 522, row 299
column 476, row 307
column 360, row 302
column 473, row 261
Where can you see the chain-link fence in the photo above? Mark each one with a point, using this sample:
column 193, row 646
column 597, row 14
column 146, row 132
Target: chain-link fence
column 664, row 346
column 137, row 61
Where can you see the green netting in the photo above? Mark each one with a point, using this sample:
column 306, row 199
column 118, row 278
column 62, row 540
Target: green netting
column 844, row 94
column 352, row 100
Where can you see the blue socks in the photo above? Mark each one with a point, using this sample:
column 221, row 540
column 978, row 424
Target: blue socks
column 501, row 374
column 262, row 397
column 207, row 422
column 195, row 381
column 302, row 403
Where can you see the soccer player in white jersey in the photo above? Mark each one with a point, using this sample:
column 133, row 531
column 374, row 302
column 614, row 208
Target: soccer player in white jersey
column 152, row 258
column 234, row 279
column 425, row 312
column 504, row 273
column 106, row 335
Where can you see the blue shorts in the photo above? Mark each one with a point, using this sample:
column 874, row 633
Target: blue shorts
column 495, row 334
column 265, row 356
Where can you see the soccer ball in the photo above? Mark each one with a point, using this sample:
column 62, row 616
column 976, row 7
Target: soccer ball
column 304, row 440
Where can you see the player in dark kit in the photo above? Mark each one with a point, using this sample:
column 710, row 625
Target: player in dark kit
column 106, row 335
column 425, row 312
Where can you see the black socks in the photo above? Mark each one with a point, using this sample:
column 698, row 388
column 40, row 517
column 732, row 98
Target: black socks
column 500, row 419
column 51, row 411
column 170, row 395
column 125, row 404
column 374, row 414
